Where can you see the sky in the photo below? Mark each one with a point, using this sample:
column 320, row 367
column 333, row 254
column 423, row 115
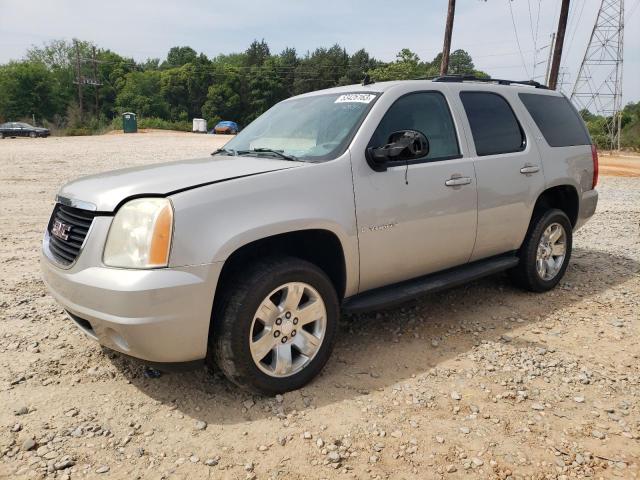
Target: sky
column 148, row 28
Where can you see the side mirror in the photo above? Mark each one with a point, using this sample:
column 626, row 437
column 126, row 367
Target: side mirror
column 402, row 146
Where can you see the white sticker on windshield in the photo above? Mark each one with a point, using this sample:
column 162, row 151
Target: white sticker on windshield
column 355, row 98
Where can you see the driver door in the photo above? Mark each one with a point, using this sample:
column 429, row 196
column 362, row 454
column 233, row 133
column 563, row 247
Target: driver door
column 420, row 216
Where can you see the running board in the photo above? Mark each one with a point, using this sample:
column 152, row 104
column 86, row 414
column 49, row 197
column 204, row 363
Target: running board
column 398, row 293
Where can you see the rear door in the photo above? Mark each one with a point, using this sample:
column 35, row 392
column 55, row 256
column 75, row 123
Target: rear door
column 417, row 217
column 508, row 170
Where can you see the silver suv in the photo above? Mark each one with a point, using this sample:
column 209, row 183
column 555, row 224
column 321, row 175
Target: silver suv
column 348, row 199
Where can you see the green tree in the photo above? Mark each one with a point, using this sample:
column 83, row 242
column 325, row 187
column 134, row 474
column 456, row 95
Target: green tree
column 407, row 66
column 225, row 98
column 257, row 53
column 288, row 62
column 141, row 93
column 26, row 89
column 324, row 68
column 179, row 56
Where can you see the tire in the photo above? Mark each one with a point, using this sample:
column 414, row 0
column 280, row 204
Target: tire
column 527, row 274
column 238, row 326
column 33, row 134
column 1, row 135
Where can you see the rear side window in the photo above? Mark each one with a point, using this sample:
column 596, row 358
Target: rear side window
column 556, row 118
column 494, row 126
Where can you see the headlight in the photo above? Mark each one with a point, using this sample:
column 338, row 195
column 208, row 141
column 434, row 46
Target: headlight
column 140, row 234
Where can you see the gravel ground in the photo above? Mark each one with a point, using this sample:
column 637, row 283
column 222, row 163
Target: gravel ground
column 482, row 381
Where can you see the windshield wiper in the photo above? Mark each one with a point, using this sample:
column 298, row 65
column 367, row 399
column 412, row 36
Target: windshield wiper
column 226, row 151
column 279, row 153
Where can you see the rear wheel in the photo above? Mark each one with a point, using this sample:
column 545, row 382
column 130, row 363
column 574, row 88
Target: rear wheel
column 545, row 253
column 275, row 326
column 1, row 135
column 33, row 134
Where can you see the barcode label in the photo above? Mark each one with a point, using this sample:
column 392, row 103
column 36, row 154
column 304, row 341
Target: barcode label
column 355, row 98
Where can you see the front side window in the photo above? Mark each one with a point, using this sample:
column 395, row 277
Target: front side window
column 494, row 126
column 314, row 128
column 426, row 112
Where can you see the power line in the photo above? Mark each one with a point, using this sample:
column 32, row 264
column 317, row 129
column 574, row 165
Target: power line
column 533, row 37
column 577, row 25
column 535, row 41
column 515, row 31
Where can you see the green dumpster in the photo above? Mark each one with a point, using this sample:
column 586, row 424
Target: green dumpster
column 129, row 122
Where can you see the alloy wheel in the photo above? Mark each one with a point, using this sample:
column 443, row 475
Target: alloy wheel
column 551, row 252
column 288, row 329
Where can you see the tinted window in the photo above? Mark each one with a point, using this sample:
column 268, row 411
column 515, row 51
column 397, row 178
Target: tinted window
column 556, row 118
column 426, row 112
column 494, row 126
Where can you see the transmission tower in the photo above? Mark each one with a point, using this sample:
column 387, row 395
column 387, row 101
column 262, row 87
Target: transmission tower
column 598, row 85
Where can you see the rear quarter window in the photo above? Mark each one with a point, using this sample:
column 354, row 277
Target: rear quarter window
column 556, row 118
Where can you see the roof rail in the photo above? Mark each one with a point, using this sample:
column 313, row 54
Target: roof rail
column 473, row 78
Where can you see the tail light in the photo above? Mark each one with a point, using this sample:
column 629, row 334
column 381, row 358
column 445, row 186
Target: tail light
column 594, row 157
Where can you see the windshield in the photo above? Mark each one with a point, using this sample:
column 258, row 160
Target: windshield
column 314, row 128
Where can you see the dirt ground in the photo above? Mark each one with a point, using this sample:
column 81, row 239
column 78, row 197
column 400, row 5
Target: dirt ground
column 620, row 164
column 482, row 381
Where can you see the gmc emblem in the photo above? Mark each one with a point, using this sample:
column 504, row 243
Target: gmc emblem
column 60, row 230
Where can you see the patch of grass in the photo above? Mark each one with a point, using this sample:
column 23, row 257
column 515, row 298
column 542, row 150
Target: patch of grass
column 154, row 122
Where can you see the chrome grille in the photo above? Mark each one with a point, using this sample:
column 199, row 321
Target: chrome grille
column 68, row 228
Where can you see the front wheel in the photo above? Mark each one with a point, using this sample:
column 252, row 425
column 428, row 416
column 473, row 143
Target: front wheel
column 545, row 252
column 275, row 325
column 33, row 134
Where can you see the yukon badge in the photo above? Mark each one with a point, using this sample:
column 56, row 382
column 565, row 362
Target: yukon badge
column 61, row 230
column 377, row 228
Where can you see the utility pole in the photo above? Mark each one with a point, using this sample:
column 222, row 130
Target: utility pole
column 95, row 77
column 546, row 75
column 557, row 51
column 444, row 64
column 78, row 77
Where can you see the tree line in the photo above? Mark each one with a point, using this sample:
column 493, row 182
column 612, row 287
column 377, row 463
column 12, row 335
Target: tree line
column 600, row 126
column 238, row 86
column 168, row 93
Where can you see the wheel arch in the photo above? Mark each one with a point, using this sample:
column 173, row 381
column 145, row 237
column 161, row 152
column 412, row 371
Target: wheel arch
column 319, row 246
column 563, row 197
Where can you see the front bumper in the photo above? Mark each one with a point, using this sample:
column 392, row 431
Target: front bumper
column 161, row 315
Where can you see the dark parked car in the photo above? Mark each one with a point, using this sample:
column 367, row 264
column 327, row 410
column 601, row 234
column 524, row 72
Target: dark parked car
column 19, row 129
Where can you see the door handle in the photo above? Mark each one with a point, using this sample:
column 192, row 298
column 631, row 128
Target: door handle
column 528, row 168
column 457, row 181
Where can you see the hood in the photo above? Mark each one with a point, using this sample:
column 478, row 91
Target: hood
column 107, row 190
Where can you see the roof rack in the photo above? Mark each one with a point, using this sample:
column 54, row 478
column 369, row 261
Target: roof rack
column 473, row 78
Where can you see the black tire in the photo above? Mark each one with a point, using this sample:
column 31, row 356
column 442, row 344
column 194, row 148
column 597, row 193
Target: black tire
column 236, row 308
column 33, row 134
column 526, row 275
column 1, row 135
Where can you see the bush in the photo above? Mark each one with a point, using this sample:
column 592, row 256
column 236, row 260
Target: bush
column 159, row 123
column 77, row 132
column 155, row 122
